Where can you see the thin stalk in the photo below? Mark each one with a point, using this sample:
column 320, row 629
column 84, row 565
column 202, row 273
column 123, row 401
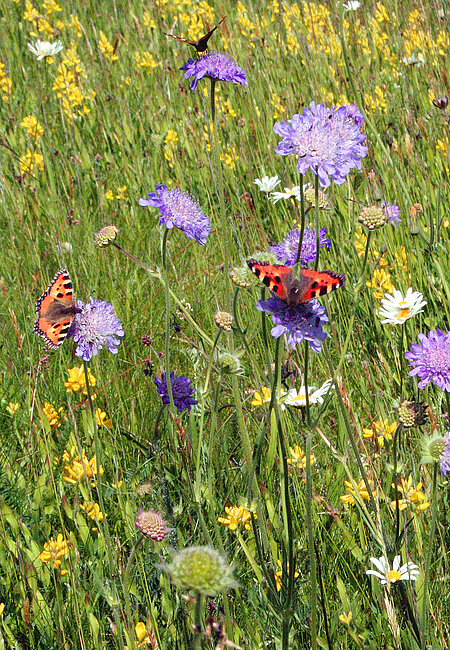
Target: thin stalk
column 317, row 213
column 310, row 529
column 302, row 224
column 198, row 621
column 167, row 318
column 426, row 579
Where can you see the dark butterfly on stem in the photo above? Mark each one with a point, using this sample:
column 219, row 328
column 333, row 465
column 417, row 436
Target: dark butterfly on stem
column 202, row 44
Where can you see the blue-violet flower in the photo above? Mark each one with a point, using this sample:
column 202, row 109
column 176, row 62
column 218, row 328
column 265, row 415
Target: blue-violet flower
column 181, row 391
column 215, row 65
column 180, row 210
column 392, row 212
column 326, row 140
column 95, row 326
column 286, row 251
column 430, row 359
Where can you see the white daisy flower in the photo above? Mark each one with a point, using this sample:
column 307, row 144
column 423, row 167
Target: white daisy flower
column 316, row 395
column 396, row 309
column 352, row 5
column 43, row 49
column 287, row 194
column 267, row 184
column 412, row 60
column 386, row 575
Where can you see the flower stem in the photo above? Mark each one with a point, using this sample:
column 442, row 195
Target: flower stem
column 302, row 223
column 198, row 620
column 434, row 514
column 317, row 213
column 167, row 318
column 310, row 529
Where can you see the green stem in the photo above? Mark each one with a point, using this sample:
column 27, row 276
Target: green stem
column 310, row 529
column 317, row 213
column 167, row 318
column 302, row 224
column 198, row 621
column 434, row 514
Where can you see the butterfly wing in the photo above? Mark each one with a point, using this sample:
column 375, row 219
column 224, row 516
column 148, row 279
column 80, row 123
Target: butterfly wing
column 183, row 40
column 55, row 310
column 282, row 282
column 202, row 43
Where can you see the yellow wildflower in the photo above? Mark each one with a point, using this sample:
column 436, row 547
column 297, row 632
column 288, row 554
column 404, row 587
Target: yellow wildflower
column 75, row 25
column 102, row 419
column 106, row 48
column 236, row 515
column 380, row 283
column 145, row 636
column 360, row 494
column 345, row 618
column 171, row 137
column 279, row 575
column 77, row 468
column 93, row 511
column 412, row 496
column 382, row 430
column 64, row 81
column 12, row 407
column 53, row 416
column 120, row 196
column 2, row 607
column 50, row 6
column 29, row 161
column 297, row 457
column 259, row 400
column 54, row 551
column 229, row 157
column 381, row 14
column 77, row 380
column 109, row 195
column 146, row 60
column 32, row 126
column 148, row 20
column 5, row 87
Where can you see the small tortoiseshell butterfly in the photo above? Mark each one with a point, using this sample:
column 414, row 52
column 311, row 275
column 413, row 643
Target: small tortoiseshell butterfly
column 202, row 44
column 281, row 281
column 55, row 310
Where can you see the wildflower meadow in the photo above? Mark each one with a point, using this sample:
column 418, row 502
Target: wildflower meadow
column 225, row 315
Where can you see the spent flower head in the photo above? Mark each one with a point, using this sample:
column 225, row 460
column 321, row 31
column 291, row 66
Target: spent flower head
column 202, row 569
column 181, row 391
column 430, row 359
column 94, row 327
column 286, row 251
column 396, row 309
column 301, row 322
column 411, row 413
column 178, row 209
column 214, row 65
column 106, row 235
column 372, row 217
column 386, row 575
column 328, row 141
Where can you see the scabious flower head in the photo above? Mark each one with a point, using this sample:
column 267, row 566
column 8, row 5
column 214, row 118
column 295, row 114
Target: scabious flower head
column 202, row 569
column 180, row 210
column 392, row 212
column 386, row 575
column 152, row 525
column 445, row 454
column 286, row 251
column 304, row 321
column 310, row 198
column 214, row 65
column 181, row 391
column 397, row 309
column 327, row 140
column 95, row 326
column 430, row 359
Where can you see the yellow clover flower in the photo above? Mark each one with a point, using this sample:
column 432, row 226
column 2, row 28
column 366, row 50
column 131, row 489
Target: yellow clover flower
column 412, row 496
column 360, row 494
column 236, row 516
column 77, row 380
column 297, row 457
column 382, row 430
column 54, row 551
column 12, row 407
column 77, row 468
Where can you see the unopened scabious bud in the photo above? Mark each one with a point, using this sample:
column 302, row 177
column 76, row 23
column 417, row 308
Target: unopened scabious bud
column 106, row 236
column 434, row 448
column 372, row 217
column 152, row 525
column 224, row 320
column 411, row 413
column 202, row 569
column 440, row 102
column 228, row 363
column 239, row 277
column 310, row 198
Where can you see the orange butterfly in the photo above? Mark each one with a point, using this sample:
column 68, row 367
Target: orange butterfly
column 281, row 281
column 55, row 310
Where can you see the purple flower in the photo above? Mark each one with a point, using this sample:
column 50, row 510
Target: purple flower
column 179, row 209
column 215, row 65
column 327, row 141
column 303, row 321
column 181, row 391
column 445, row 456
column 392, row 211
column 431, row 359
column 286, row 251
column 95, row 326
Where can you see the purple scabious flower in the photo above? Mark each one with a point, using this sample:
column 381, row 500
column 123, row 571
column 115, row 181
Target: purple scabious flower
column 326, row 140
column 93, row 327
column 215, row 65
column 180, row 210
column 303, row 321
column 431, row 359
column 445, row 456
column 181, row 391
column 392, row 211
column 286, row 251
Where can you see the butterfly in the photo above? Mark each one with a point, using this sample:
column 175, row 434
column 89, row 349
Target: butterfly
column 202, row 44
column 55, row 310
column 281, row 281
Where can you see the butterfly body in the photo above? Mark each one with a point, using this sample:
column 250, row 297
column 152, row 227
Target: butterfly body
column 202, row 44
column 55, row 310
column 281, row 281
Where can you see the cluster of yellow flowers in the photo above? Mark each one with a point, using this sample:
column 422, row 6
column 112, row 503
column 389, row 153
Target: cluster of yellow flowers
column 40, row 24
column 54, row 551
column 236, row 516
column 68, row 86
column 53, row 415
column 77, row 380
column 76, row 467
column 381, row 430
column 5, row 83
column 360, row 494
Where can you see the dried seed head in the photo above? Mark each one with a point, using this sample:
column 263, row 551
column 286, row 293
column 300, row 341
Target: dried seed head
column 310, row 198
column 372, row 217
column 106, row 236
column 224, row 320
column 411, row 413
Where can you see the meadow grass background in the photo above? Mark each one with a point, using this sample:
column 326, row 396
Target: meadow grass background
column 117, row 119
